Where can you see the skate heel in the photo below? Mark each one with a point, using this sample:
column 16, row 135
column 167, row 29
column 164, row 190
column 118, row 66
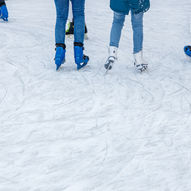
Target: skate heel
column 81, row 60
column 109, row 63
column 112, row 58
column 139, row 63
column 141, row 67
column 59, row 56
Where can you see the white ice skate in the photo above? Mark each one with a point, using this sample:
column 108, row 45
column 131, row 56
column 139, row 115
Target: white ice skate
column 139, row 63
column 111, row 58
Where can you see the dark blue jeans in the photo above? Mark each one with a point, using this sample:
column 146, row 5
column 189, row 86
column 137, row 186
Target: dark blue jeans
column 62, row 8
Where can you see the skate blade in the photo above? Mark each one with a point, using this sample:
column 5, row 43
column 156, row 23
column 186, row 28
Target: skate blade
column 58, row 64
column 82, row 65
column 57, row 68
column 4, row 19
column 141, row 68
column 187, row 55
column 108, row 66
column 79, row 67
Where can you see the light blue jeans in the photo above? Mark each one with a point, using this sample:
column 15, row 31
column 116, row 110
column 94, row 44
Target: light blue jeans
column 137, row 25
column 62, row 8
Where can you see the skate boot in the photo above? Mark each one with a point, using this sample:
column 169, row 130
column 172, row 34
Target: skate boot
column 60, row 55
column 70, row 30
column 80, row 59
column 187, row 50
column 139, row 63
column 112, row 58
column 3, row 12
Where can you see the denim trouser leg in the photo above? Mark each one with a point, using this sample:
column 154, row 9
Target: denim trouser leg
column 115, row 35
column 79, row 20
column 62, row 7
column 137, row 25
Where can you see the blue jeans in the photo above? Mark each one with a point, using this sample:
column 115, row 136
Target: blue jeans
column 137, row 25
column 62, row 8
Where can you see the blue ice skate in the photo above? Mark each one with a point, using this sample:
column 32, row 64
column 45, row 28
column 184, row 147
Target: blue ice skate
column 187, row 50
column 80, row 59
column 60, row 56
column 4, row 12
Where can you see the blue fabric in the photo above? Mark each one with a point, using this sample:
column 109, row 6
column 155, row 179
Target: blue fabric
column 137, row 25
column 80, row 59
column 62, row 7
column 124, row 6
column 59, row 57
column 4, row 13
column 187, row 50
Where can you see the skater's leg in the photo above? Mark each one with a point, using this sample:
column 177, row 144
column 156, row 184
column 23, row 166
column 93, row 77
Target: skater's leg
column 115, row 35
column 61, row 19
column 79, row 28
column 62, row 7
column 137, row 25
column 79, row 20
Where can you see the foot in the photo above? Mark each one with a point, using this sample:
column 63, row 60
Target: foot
column 109, row 63
column 81, row 59
column 139, row 63
column 3, row 12
column 187, row 50
column 59, row 56
column 112, row 58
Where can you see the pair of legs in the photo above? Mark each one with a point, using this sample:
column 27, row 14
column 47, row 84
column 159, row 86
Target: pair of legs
column 137, row 25
column 62, row 9
column 117, row 26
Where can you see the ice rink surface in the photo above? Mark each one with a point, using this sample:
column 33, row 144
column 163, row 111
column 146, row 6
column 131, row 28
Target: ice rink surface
column 86, row 131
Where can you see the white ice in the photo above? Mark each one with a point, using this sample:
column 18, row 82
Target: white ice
column 86, row 131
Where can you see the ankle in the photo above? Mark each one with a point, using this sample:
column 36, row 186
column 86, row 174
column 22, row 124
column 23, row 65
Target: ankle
column 78, row 44
column 113, row 52
column 61, row 45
